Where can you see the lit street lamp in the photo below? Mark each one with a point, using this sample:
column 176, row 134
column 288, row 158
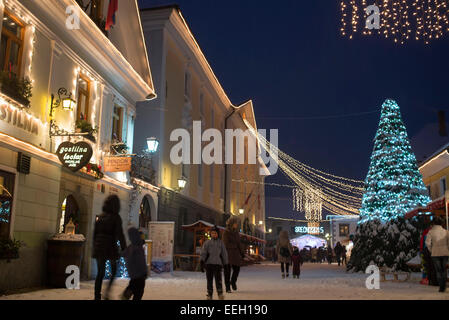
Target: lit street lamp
column 181, row 183
column 152, row 144
column 241, row 211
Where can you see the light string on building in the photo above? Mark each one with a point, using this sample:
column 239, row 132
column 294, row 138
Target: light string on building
column 399, row 20
column 315, row 189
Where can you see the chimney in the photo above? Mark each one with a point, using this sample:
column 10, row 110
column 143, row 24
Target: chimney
column 442, row 122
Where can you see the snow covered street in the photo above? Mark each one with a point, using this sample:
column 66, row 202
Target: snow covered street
column 317, row 281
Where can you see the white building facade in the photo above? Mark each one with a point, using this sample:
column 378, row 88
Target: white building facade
column 106, row 74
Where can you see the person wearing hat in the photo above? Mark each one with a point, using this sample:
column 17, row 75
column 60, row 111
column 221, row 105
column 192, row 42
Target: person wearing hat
column 213, row 257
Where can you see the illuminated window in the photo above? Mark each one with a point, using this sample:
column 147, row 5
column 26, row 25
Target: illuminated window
column 344, row 230
column 11, row 46
column 82, row 111
column 117, row 121
column 6, row 199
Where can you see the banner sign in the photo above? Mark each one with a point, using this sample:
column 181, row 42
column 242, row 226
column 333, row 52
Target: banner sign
column 309, row 230
column 74, row 155
column 117, row 164
column 162, row 236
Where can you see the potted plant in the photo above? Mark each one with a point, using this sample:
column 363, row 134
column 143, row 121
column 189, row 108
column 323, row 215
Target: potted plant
column 119, row 148
column 17, row 89
column 96, row 169
column 9, row 249
column 84, row 126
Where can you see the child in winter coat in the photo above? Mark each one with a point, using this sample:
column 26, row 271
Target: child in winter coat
column 136, row 264
column 213, row 257
column 297, row 262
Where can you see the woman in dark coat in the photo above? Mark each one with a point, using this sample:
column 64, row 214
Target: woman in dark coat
column 231, row 239
column 108, row 230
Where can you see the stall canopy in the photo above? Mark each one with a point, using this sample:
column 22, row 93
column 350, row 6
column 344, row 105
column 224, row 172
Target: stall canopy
column 308, row 240
column 436, row 207
column 206, row 226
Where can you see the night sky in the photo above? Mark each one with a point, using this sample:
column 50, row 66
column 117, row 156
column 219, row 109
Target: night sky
column 322, row 91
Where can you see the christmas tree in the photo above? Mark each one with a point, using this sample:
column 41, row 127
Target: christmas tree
column 393, row 187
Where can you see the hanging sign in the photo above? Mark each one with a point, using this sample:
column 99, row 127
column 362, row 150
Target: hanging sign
column 117, row 164
column 310, row 230
column 74, row 155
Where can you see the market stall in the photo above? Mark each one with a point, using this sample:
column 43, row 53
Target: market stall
column 201, row 231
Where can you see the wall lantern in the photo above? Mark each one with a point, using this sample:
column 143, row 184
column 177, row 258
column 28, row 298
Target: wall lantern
column 152, row 144
column 270, row 230
column 182, row 183
column 64, row 98
column 260, row 222
column 241, row 211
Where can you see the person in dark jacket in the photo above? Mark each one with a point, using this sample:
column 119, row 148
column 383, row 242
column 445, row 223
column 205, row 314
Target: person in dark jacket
column 108, row 230
column 329, row 255
column 343, row 254
column 297, row 262
column 136, row 264
column 213, row 257
column 231, row 239
column 338, row 250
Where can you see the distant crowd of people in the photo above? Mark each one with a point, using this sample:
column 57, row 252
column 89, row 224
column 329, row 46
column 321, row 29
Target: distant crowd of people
column 283, row 252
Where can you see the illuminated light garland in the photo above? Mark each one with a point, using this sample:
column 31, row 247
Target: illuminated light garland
column 308, row 202
column 4, row 100
column 314, row 190
column 424, row 20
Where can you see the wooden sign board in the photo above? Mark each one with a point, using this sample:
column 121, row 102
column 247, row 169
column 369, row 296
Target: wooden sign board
column 74, row 155
column 117, row 164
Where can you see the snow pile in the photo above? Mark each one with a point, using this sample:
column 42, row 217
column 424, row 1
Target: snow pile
column 68, row 237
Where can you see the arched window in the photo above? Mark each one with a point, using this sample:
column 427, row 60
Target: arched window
column 144, row 213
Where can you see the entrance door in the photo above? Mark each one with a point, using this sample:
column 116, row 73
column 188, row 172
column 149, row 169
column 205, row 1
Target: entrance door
column 70, row 210
column 144, row 215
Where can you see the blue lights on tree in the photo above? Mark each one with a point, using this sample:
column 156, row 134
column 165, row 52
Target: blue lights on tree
column 394, row 185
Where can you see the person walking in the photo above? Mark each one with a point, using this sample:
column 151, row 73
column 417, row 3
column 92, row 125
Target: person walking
column 438, row 243
column 338, row 250
column 297, row 262
column 136, row 264
column 231, row 239
column 107, row 231
column 314, row 252
column 213, row 257
column 285, row 252
column 329, row 254
column 343, row 254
